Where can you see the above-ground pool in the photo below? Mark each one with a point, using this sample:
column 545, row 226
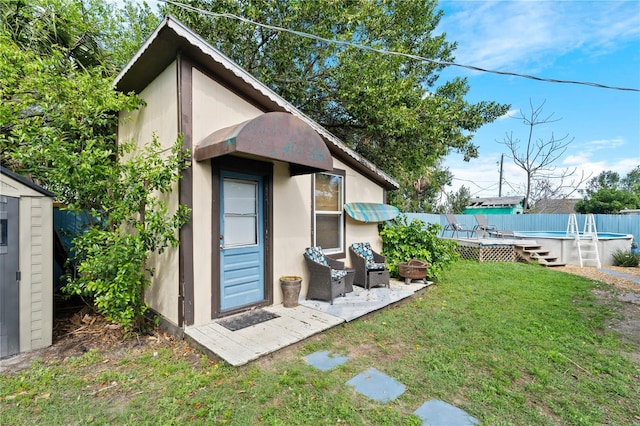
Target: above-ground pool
column 562, row 245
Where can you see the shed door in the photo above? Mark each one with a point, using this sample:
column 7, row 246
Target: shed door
column 241, row 241
column 9, row 277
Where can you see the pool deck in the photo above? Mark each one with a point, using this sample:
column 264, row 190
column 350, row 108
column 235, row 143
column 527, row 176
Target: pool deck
column 500, row 249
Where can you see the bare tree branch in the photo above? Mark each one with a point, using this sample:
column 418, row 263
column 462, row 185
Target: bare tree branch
column 537, row 158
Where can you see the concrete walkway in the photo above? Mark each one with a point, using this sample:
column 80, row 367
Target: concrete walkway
column 620, row 274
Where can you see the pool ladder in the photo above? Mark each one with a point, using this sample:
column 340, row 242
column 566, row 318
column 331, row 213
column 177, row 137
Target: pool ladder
column 587, row 242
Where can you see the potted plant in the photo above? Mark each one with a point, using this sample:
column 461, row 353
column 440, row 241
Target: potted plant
column 290, row 285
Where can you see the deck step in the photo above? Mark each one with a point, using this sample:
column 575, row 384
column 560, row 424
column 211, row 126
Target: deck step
column 528, row 246
column 546, row 259
column 553, row 264
column 537, row 253
column 534, row 253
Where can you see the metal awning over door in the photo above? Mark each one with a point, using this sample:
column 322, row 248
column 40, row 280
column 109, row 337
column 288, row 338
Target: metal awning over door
column 275, row 136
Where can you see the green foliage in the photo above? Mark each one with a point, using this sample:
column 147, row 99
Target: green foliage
column 58, row 121
column 391, row 109
column 625, row 258
column 135, row 222
column 608, row 194
column 457, row 201
column 111, row 273
column 91, row 33
column 59, row 124
column 403, row 241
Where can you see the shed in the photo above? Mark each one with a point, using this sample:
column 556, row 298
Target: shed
column 264, row 183
column 26, row 265
column 495, row 205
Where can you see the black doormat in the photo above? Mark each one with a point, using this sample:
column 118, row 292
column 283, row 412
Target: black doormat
column 241, row 321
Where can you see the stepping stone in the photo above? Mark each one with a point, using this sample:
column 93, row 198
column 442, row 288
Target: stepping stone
column 323, row 360
column 377, row 386
column 440, row 413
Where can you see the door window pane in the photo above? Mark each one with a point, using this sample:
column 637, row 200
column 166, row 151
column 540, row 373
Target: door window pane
column 240, row 212
column 240, row 231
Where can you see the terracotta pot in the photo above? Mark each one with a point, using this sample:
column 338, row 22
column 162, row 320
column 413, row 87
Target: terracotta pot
column 290, row 290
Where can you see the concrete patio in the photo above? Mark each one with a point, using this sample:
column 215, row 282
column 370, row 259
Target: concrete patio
column 293, row 325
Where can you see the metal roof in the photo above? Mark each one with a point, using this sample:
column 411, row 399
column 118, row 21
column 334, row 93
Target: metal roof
column 496, row 202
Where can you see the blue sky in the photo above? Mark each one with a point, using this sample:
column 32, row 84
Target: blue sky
column 593, row 41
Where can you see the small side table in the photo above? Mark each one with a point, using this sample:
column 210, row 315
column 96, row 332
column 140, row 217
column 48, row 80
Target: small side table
column 348, row 280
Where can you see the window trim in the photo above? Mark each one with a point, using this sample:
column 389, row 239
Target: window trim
column 339, row 252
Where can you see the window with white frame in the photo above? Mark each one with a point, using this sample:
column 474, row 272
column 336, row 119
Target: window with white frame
column 328, row 217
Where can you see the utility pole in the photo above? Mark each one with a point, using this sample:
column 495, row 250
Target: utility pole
column 500, row 183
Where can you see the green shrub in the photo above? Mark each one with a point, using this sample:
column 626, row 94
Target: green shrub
column 111, row 256
column 625, row 258
column 403, row 241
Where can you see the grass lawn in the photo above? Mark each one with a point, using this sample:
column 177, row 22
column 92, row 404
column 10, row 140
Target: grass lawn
column 512, row 344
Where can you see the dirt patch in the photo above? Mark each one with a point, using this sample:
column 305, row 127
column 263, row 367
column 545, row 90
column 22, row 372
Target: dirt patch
column 78, row 330
column 626, row 293
column 618, row 282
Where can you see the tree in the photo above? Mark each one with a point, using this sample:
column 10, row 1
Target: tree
column 537, row 158
column 389, row 108
column 607, row 193
column 58, row 115
column 631, row 182
column 111, row 256
column 457, row 201
column 420, row 193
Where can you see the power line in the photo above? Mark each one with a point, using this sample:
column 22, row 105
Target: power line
column 392, row 53
column 476, row 183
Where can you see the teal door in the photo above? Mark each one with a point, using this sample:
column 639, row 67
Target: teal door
column 9, row 277
column 241, row 240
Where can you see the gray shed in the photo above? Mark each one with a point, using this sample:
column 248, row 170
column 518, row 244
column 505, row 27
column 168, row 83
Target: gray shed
column 26, row 265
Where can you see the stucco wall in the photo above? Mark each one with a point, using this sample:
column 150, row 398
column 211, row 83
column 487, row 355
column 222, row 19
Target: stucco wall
column 160, row 117
column 292, row 220
column 214, row 107
column 360, row 189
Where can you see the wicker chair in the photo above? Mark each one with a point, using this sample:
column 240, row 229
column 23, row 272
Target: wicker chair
column 326, row 275
column 371, row 270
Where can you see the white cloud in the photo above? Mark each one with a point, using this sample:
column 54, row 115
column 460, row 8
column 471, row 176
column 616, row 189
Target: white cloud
column 604, row 144
column 509, row 114
column 516, row 35
column 482, row 175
